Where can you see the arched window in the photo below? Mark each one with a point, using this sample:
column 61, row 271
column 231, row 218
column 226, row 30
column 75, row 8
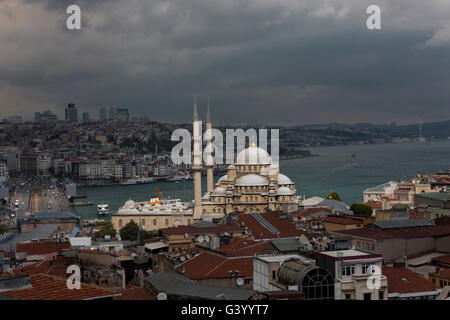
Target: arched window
column 120, row 223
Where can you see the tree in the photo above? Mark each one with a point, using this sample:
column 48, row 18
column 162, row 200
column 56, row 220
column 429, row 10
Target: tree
column 151, row 234
column 129, row 231
column 334, row 195
column 3, row 228
column 361, row 209
column 106, row 230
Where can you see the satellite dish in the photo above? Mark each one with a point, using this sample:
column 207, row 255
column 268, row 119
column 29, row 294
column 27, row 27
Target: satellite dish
column 182, row 259
column 239, row 281
column 200, row 239
column 161, row 296
column 186, row 235
column 207, row 238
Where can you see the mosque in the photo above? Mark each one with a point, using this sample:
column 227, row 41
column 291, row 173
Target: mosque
column 253, row 184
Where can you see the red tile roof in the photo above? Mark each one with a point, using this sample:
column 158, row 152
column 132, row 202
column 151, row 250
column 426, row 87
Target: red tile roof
column 56, row 268
column 310, row 211
column 282, row 224
column 49, row 288
column 403, row 280
column 444, row 259
column 41, row 247
column 211, row 265
column 377, row 234
column 245, row 247
column 135, row 293
column 41, row 267
column 192, row 230
column 341, row 220
column 443, row 273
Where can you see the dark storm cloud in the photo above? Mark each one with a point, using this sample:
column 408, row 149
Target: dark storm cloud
column 273, row 61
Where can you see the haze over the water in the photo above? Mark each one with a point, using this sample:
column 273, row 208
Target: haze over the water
column 285, row 62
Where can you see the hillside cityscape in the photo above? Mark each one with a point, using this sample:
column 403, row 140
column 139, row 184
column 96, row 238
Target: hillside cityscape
column 224, row 159
column 237, row 239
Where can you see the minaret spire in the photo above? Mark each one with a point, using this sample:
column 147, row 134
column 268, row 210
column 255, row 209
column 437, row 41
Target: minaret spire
column 208, row 112
column 195, row 117
column 197, row 162
column 209, row 161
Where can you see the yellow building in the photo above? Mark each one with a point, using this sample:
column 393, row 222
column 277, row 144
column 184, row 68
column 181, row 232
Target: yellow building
column 168, row 213
column 440, row 278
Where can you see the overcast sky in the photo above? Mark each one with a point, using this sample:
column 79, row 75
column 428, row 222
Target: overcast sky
column 273, row 61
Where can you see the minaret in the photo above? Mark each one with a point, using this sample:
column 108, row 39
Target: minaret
column 197, row 162
column 209, row 160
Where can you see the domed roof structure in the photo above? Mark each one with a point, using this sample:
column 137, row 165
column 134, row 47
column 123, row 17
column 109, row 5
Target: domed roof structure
column 282, row 179
column 335, row 205
column 130, row 204
column 253, row 155
column 219, row 190
column 223, row 178
column 252, row 180
column 284, row 191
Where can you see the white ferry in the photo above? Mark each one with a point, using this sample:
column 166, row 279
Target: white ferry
column 136, row 181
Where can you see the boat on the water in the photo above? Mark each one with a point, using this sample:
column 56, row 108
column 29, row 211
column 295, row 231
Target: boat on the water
column 180, row 177
column 136, row 181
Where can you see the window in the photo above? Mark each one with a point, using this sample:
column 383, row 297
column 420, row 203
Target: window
column 348, row 296
column 380, row 295
column 167, row 222
column 433, row 280
column 143, row 222
column 154, row 222
column 120, row 223
column 365, row 268
column 274, row 275
column 441, row 283
column 367, row 296
column 348, row 270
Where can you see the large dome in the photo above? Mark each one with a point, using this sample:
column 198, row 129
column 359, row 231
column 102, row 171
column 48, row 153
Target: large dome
column 253, row 155
column 282, row 179
column 251, row 180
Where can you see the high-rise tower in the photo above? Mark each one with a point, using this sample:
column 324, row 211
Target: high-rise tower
column 209, row 161
column 197, row 162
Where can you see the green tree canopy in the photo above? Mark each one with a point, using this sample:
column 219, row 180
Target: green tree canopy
column 334, row 195
column 129, row 231
column 3, row 228
column 106, row 230
column 151, row 234
column 361, row 209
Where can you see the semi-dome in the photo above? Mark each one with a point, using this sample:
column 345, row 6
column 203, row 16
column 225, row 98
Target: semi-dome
column 130, row 204
column 282, row 179
column 284, row 191
column 252, row 180
column 223, row 178
column 219, row 190
column 253, row 155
